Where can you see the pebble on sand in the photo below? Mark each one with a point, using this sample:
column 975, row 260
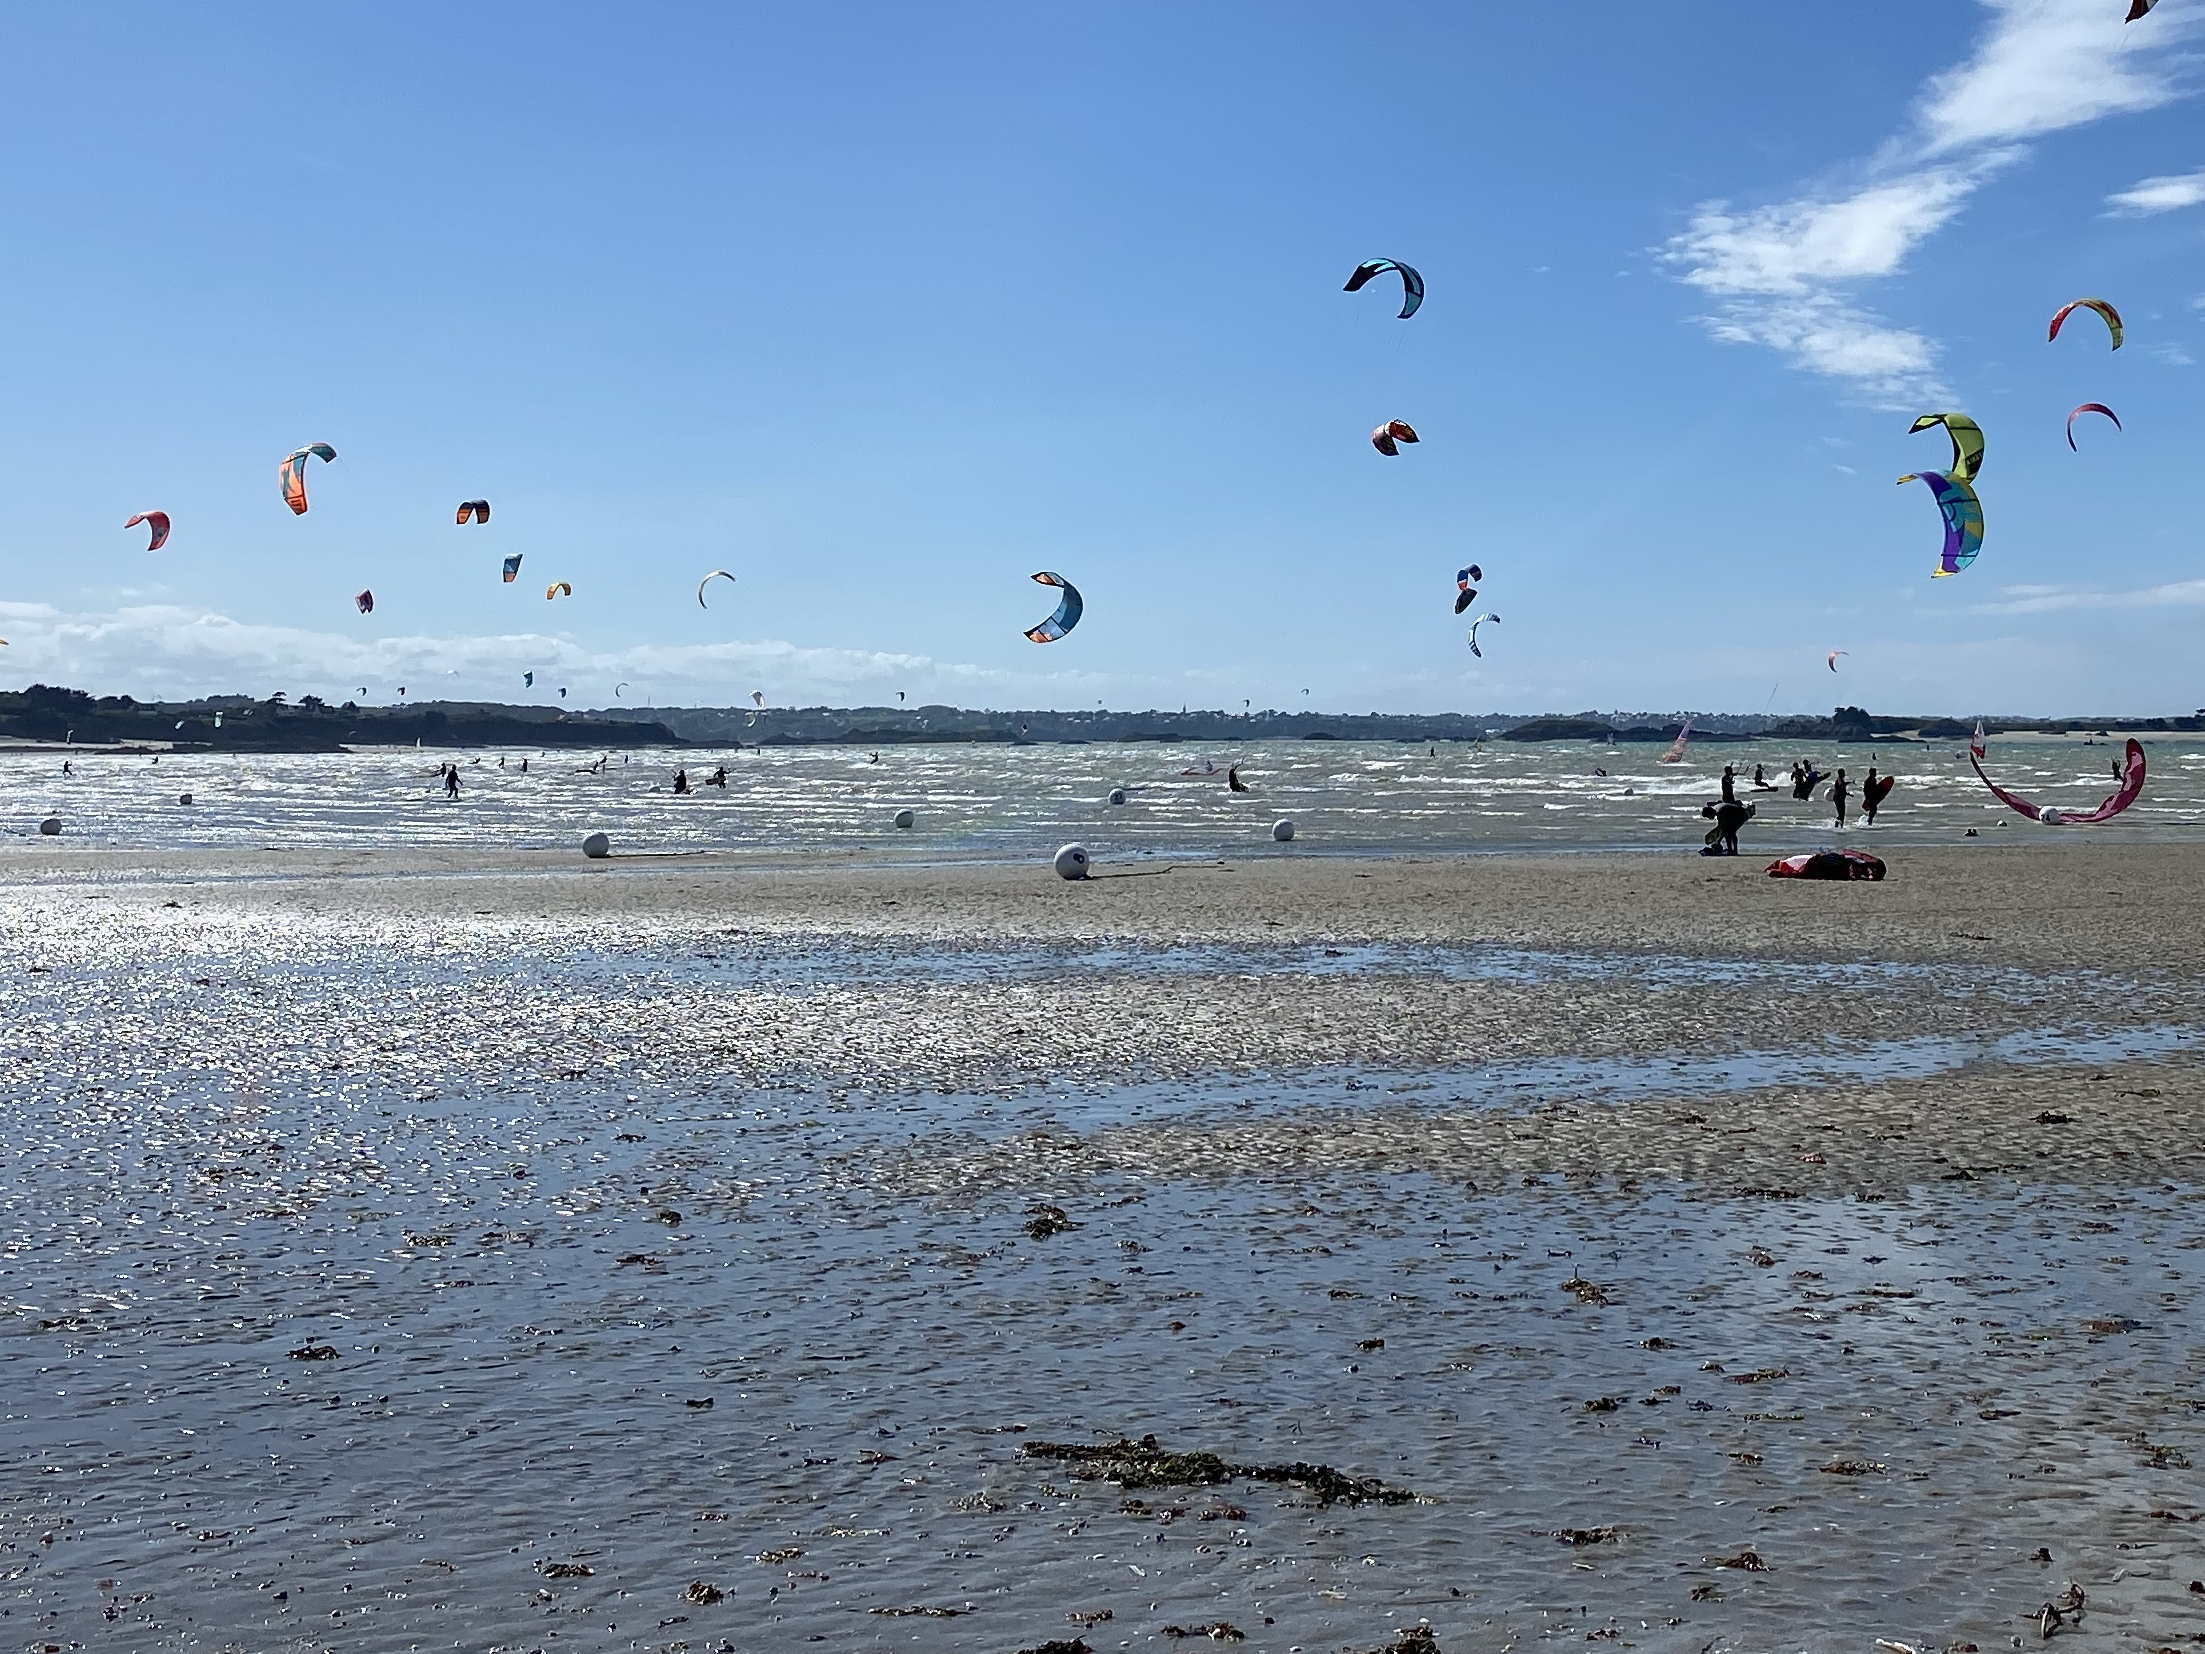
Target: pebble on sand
column 905, row 818
column 1071, row 862
column 597, row 847
column 1283, row 829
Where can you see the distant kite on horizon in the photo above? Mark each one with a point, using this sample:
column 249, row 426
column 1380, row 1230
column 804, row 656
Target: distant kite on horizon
column 716, row 574
column 365, row 601
column 292, row 474
column 1832, row 661
column 156, row 522
column 512, row 568
column 477, row 509
column 2110, row 316
column 1412, row 284
column 558, row 588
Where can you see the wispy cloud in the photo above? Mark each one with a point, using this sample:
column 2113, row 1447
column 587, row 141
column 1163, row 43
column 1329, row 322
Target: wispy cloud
column 1785, row 274
column 162, row 651
column 2030, row 600
column 2170, row 192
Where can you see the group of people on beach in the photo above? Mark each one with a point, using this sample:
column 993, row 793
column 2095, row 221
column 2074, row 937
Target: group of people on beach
column 1729, row 814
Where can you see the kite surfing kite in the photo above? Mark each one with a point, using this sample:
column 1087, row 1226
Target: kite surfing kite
column 1833, row 659
column 2111, row 316
column 2137, row 8
column 1393, row 431
column 2090, row 407
column 1967, row 442
column 1233, row 781
column 512, row 568
column 558, row 588
column 1475, row 623
column 365, row 602
column 1828, row 864
column 1412, row 284
column 477, row 509
column 156, row 523
column 1068, row 612
column 292, row 474
column 1675, row 754
column 1963, row 520
column 1466, row 590
column 529, row 678
column 716, row 574
column 2132, row 783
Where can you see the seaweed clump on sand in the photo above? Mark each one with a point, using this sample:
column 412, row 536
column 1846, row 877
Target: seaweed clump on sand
column 1418, row 1639
column 1143, row 1463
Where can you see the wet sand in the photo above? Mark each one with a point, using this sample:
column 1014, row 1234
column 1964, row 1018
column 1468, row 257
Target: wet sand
column 1856, row 1225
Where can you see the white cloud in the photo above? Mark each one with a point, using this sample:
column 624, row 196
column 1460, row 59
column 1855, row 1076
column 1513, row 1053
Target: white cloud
column 2168, row 193
column 2048, row 65
column 161, row 652
column 1800, row 247
column 1785, row 272
column 2025, row 600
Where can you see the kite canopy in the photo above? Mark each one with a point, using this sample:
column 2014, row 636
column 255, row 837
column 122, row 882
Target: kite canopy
column 1466, row 593
column 156, row 522
column 529, row 678
column 2090, row 407
column 1828, row 864
column 716, row 574
column 1069, row 610
column 477, row 509
column 1833, row 659
column 1393, row 431
column 292, row 474
column 1967, row 442
column 366, row 602
column 1412, row 284
column 512, row 568
column 758, row 699
column 2111, row 316
column 2137, row 8
column 558, row 588
column 1478, row 621
column 2132, row 784
column 1963, row 520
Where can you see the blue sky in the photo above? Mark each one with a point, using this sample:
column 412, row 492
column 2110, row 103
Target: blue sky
column 882, row 308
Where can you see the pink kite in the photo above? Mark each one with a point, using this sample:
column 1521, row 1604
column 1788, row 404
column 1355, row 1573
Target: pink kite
column 2132, row 783
column 2089, row 407
column 156, row 524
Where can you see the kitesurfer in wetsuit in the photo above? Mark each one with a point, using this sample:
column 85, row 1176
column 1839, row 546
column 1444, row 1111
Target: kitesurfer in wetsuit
column 1839, row 793
column 1728, row 816
column 1761, row 782
column 1871, row 794
column 681, row 781
column 719, row 778
column 1730, row 785
column 451, row 780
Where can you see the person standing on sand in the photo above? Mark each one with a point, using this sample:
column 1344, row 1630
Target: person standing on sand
column 1839, row 792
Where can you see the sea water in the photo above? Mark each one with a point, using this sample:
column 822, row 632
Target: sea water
column 1004, row 800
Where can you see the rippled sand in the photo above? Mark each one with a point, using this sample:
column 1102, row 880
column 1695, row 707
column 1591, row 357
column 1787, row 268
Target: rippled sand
column 495, row 1251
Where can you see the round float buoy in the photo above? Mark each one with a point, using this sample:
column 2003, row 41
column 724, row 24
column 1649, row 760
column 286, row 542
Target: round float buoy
column 51, row 826
column 2050, row 817
column 1282, row 829
column 597, row 847
column 905, row 818
column 183, row 798
column 1071, row 862
column 1117, row 795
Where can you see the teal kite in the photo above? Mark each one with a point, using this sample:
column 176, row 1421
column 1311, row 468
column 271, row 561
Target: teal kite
column 1963, row 520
